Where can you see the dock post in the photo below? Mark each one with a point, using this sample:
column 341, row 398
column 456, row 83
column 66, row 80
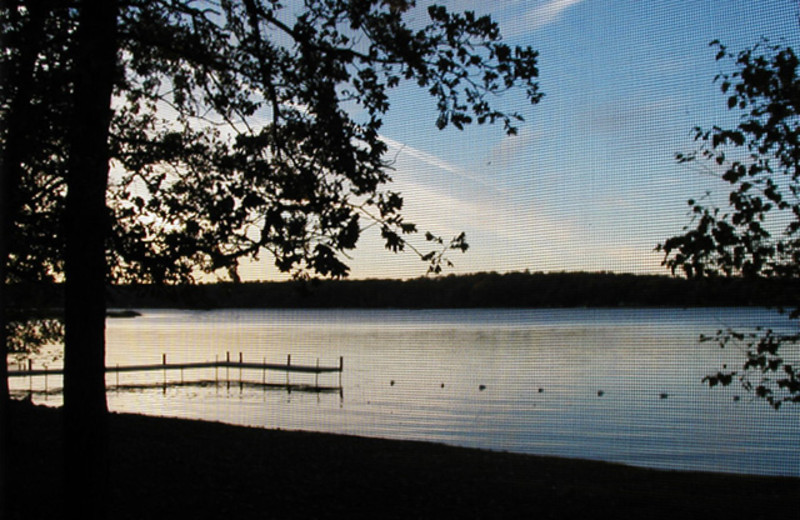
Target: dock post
column 228, row 369
column 341, row 369
column 316, row 376
column 30, row 377
column 241, row 381
column 164, row 364
column 288, row 364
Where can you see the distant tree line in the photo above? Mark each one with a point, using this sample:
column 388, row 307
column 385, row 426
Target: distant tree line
column 516, row 289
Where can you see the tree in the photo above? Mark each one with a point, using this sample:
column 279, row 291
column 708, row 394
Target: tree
column 757, row 236
column 85, row 408
column 230, row 128
column 29, row 192
column 34, row 116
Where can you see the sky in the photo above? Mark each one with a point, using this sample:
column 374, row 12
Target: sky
column 590, row 183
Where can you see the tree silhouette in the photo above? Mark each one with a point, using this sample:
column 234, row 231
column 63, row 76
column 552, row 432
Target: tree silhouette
column 230, row 127
column 32, row 108
column 757, row 236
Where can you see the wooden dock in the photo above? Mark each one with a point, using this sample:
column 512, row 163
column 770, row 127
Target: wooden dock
column 241, row 364
column 227, row 364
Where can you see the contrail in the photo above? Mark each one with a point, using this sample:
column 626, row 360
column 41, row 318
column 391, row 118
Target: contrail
column 437, row 162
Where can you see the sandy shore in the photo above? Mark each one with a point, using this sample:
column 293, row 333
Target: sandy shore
column 169, row 468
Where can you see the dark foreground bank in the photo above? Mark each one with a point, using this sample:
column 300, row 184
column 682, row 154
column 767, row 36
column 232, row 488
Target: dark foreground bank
column 168, row 468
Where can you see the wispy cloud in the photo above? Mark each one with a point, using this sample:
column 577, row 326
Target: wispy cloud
column 471, row 202
column 547, row 13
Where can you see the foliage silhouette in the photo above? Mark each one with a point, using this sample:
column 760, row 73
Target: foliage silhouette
column 757, row 235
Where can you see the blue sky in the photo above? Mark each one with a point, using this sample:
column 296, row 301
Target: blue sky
column 590, row 183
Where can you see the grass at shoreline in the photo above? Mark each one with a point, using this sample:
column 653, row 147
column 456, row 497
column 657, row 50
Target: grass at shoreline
column 173, row 468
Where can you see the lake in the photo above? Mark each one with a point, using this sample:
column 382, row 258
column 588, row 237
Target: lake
column 621, row 385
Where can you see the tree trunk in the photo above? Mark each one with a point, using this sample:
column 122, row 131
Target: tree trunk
column 85, row 408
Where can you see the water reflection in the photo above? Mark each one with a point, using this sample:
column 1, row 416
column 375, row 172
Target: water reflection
column 622, row 385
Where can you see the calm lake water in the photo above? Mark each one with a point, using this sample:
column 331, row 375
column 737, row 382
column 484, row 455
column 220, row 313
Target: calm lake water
column 620, row 385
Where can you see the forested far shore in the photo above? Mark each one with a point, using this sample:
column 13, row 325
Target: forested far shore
column 516, row 289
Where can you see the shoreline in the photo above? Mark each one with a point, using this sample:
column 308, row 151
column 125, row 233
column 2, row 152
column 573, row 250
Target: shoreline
column 180, row 468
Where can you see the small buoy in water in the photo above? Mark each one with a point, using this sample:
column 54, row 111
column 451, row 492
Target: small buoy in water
column 482, row 388
column 442, row 385
column 664, row 396
column 541, row 390
column 735, row 397
column 600, row 393
column 391, row 383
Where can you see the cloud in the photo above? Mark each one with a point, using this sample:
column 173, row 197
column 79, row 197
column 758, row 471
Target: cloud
column 472, row 203
column 513, row 149
column 548, row 13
